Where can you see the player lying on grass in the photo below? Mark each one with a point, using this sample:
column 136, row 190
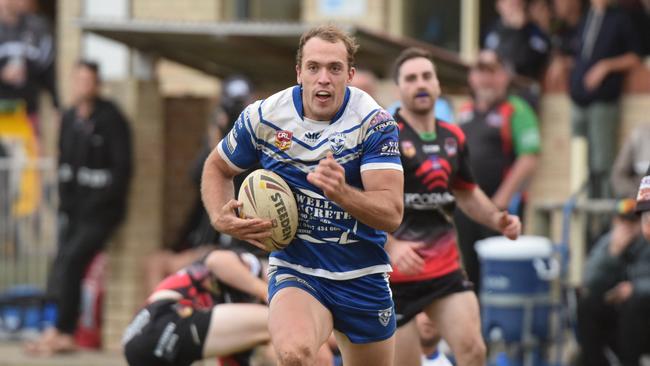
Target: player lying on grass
column 211, row 308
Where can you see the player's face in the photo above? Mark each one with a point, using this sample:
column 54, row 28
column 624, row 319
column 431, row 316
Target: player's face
column 324, row 75
column 489, row 84
column 85, row 85
column 418, row 85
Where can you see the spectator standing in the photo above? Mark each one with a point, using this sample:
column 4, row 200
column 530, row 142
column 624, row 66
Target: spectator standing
column 502, row 131
column 94, row 174
column 518, row 40
column 27, row 57
column 608, row 48
column 564, row 42
column 564, row 26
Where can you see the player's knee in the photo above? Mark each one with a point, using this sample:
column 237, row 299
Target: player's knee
column 295, row 355
column 471, row 350
column 474, row 350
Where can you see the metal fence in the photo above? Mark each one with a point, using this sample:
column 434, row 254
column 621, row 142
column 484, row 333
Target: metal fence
column 28, row 220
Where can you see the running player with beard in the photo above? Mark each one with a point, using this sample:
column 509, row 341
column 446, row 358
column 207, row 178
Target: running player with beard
column 427, row 275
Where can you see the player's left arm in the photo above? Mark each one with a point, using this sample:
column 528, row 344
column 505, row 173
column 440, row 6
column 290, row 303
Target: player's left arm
column 526, row 141
column 379, row 205
column 474, row 202
column 229, row 268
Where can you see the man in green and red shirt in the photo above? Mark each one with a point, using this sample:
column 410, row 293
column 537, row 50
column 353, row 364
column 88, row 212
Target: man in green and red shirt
column 502, row 133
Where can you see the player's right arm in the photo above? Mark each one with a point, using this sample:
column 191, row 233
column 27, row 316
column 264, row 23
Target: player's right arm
column 403, row 255
column 217, row 190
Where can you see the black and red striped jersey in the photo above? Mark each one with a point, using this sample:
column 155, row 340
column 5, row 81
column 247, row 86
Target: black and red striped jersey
column 433, row 166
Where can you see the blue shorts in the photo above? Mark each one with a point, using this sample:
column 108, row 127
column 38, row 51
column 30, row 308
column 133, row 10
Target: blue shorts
column 362, row 308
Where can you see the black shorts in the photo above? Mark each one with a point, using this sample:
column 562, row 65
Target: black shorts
column 159, row 335
column 412, row 297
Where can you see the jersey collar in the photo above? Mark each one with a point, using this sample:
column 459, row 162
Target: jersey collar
column 297, row 103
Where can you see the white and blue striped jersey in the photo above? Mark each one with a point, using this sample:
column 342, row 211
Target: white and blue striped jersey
column 329, row 243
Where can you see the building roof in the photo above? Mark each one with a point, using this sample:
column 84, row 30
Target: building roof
column 264, row 51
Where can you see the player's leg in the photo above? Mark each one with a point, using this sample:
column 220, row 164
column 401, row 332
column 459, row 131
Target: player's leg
column 429, row 341
column 299, row 325
column 234, row 328
column 407, row 345
column 379, row 353
column 458, row 320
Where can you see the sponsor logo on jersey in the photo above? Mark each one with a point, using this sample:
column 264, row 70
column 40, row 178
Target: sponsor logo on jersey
column 384, row 316
column 451, row 146
column 425, row 201
column 390, row 148
column 494, row 119
column 239, row 125
column 136, row 325
column 434, row 173
column 381, row 126
column 320, row 208
column 312, row 136
column 337, row 142
column 167, row 341
column 381, row 120
column 408, row 149
column 283, row 140
column 430, row 149
column 381, row 117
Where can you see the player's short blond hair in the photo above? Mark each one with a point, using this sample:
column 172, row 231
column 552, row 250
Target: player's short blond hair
column 330, row 33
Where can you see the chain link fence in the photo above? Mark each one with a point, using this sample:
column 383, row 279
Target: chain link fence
column 28, row 220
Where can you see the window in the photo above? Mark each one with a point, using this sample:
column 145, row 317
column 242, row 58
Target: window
column 112, row 57
column 433, row 21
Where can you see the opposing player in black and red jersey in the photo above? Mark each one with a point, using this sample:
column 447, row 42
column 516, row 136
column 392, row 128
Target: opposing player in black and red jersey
column 205, row 310
column 427, row 274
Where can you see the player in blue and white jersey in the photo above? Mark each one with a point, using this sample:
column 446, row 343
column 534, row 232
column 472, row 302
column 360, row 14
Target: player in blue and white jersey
column 338, row 150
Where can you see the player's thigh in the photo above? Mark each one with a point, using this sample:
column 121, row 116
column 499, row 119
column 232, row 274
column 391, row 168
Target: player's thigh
column 407, row 345
column 234, row 328
column 380, row 353
column 457, row 318
column 297, row 317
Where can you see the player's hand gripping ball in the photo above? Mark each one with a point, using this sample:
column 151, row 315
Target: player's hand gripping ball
column 266, row 195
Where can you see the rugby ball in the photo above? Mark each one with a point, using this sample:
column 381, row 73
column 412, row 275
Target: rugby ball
column 266, row 195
